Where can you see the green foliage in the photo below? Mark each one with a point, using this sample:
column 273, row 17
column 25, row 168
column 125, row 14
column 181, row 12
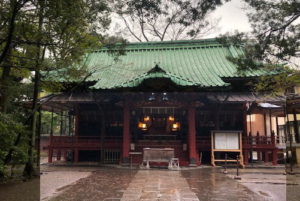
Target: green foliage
column 10, row 128
column 36, row 36
column 280, row 83
column 272, row 46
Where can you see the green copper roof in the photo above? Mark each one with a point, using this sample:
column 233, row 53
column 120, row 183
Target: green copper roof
column 199, row 63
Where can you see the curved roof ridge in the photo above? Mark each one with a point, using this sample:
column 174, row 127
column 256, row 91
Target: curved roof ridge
column 167, row 45
column 156, row 70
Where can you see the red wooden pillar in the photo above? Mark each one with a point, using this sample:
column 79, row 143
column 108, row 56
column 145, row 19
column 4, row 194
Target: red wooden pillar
column 126, row 132
column 76, row 155
column 50, row 154
column 65, row 154
column 246, row 157
column 76, row 134
column 58, row 156
column 245, row 119
column 274, row 157
column 266, row 156
column 192, row 135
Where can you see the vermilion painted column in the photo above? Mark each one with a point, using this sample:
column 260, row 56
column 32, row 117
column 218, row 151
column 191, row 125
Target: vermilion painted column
column 246, row 157
column 50, row 151
column 58, row 156
column 50, row 154
column 76, row 155
column 245, row 120
column 126, row 134
column 192, row 135
column 274, row 157
column 266, row 156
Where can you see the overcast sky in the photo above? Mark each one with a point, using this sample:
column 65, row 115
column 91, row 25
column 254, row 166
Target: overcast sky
column 232, row 17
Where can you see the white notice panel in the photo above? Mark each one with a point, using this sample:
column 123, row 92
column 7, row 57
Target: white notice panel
column 226, row 140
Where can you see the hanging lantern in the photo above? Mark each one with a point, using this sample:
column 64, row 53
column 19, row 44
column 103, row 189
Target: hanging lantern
column 146, row 118
column 175, row 126
column 171, row 118
column 142, row 126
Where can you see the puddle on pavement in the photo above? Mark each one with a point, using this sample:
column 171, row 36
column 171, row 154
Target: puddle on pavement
column 210, row 184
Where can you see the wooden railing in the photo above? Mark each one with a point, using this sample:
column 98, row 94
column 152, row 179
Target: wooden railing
column 83, row 141
column 203, row 142
column 256, row 142
column 112, row 156
column 259, row 142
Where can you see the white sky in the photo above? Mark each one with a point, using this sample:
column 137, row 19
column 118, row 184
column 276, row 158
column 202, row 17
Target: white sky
column 232, row 17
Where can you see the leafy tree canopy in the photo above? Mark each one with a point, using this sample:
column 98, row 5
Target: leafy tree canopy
column 149, row 20
column 273, row 43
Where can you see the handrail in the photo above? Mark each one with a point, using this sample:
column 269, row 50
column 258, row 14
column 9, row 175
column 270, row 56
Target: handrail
column 58, row 140
column 247, row 140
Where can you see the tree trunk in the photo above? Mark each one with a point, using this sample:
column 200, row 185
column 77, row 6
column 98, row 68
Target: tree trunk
column 5, row 83
column 29, row 169
column 14, row 7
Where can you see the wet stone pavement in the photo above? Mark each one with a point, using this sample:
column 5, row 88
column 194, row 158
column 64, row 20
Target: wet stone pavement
column 159, row 185
column 105, row 184
column 293, row 186
column 112, row 184
column 211, row 184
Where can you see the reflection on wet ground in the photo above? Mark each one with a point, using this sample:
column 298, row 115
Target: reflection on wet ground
column 102, row 184
column 269, row 183
column 117, row 184
column 293, row 187
column 159, row 185
column 21, row 191
column 205, row 184
column 211, row 184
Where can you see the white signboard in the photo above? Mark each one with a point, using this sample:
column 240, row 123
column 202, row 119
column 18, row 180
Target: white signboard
column 226, row 140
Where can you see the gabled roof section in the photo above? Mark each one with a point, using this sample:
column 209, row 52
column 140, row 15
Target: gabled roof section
column 198, row 63
column 158, row 73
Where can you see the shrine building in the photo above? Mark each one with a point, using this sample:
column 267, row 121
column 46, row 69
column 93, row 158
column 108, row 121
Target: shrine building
column 165, row 95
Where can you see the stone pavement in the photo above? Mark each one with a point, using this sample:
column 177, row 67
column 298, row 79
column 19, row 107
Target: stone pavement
column 270, row 183
column 152, row 185
column 52, row 182
column 210, row 184
column 121, row 184
column 293, row 186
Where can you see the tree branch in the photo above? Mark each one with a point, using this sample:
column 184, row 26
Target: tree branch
column 129, row 29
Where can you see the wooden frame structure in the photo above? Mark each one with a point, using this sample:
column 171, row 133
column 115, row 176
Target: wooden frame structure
column 214, row 149
column 196, row 112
